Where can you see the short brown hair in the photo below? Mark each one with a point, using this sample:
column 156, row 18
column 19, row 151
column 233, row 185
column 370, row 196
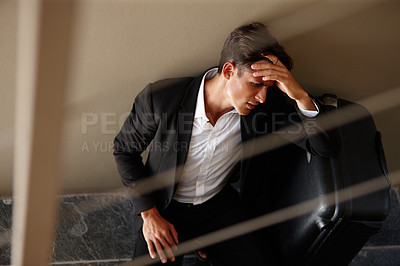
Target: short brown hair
column 246, row 44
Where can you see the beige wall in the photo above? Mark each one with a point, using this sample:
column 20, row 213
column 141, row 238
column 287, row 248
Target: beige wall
column 348, row 47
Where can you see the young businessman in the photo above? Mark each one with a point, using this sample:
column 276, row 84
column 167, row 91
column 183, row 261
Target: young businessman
column 196, row 127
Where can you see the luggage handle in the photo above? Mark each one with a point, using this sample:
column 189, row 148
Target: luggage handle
column 329, row 100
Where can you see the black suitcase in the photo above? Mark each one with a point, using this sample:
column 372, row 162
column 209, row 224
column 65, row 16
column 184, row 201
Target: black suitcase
column 331, row 234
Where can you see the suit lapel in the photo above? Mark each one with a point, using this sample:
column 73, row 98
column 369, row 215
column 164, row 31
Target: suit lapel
column 248, row 135
column 185, row 117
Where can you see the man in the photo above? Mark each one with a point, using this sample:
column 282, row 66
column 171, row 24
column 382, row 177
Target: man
column 197, row 127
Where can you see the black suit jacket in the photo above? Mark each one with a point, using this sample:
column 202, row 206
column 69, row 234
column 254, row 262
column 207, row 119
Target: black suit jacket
column 161, row 121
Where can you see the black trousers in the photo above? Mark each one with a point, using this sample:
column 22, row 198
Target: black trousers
column 222, row 210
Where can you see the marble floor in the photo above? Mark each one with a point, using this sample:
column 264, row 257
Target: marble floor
column 96, row 230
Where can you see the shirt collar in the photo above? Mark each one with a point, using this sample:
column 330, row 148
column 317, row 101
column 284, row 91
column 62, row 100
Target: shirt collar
column 200, row 111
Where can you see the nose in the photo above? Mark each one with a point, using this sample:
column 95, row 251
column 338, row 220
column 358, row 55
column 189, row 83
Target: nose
column 261, row 94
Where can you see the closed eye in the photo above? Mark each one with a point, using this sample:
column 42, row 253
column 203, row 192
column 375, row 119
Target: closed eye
column 256, row 84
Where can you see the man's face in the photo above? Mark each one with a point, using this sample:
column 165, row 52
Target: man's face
column 247, row 91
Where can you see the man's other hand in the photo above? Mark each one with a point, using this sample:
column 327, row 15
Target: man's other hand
column 159, row 233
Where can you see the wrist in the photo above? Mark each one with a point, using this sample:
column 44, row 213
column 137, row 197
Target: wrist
column 305, row 103
column 149, row 213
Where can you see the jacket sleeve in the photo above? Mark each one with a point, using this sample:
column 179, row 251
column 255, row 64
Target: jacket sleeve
column 319, row 138
column 310, row 133
column 136, row 134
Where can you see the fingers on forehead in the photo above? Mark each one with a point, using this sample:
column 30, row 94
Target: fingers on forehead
column 262, row 62
column 271, row 57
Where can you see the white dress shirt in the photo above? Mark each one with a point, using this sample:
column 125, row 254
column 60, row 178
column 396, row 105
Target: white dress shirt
column 213, row 152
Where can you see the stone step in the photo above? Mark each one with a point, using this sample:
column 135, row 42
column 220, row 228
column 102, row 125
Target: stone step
column 96, row 230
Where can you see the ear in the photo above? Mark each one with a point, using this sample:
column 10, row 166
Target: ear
column 228, row 70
